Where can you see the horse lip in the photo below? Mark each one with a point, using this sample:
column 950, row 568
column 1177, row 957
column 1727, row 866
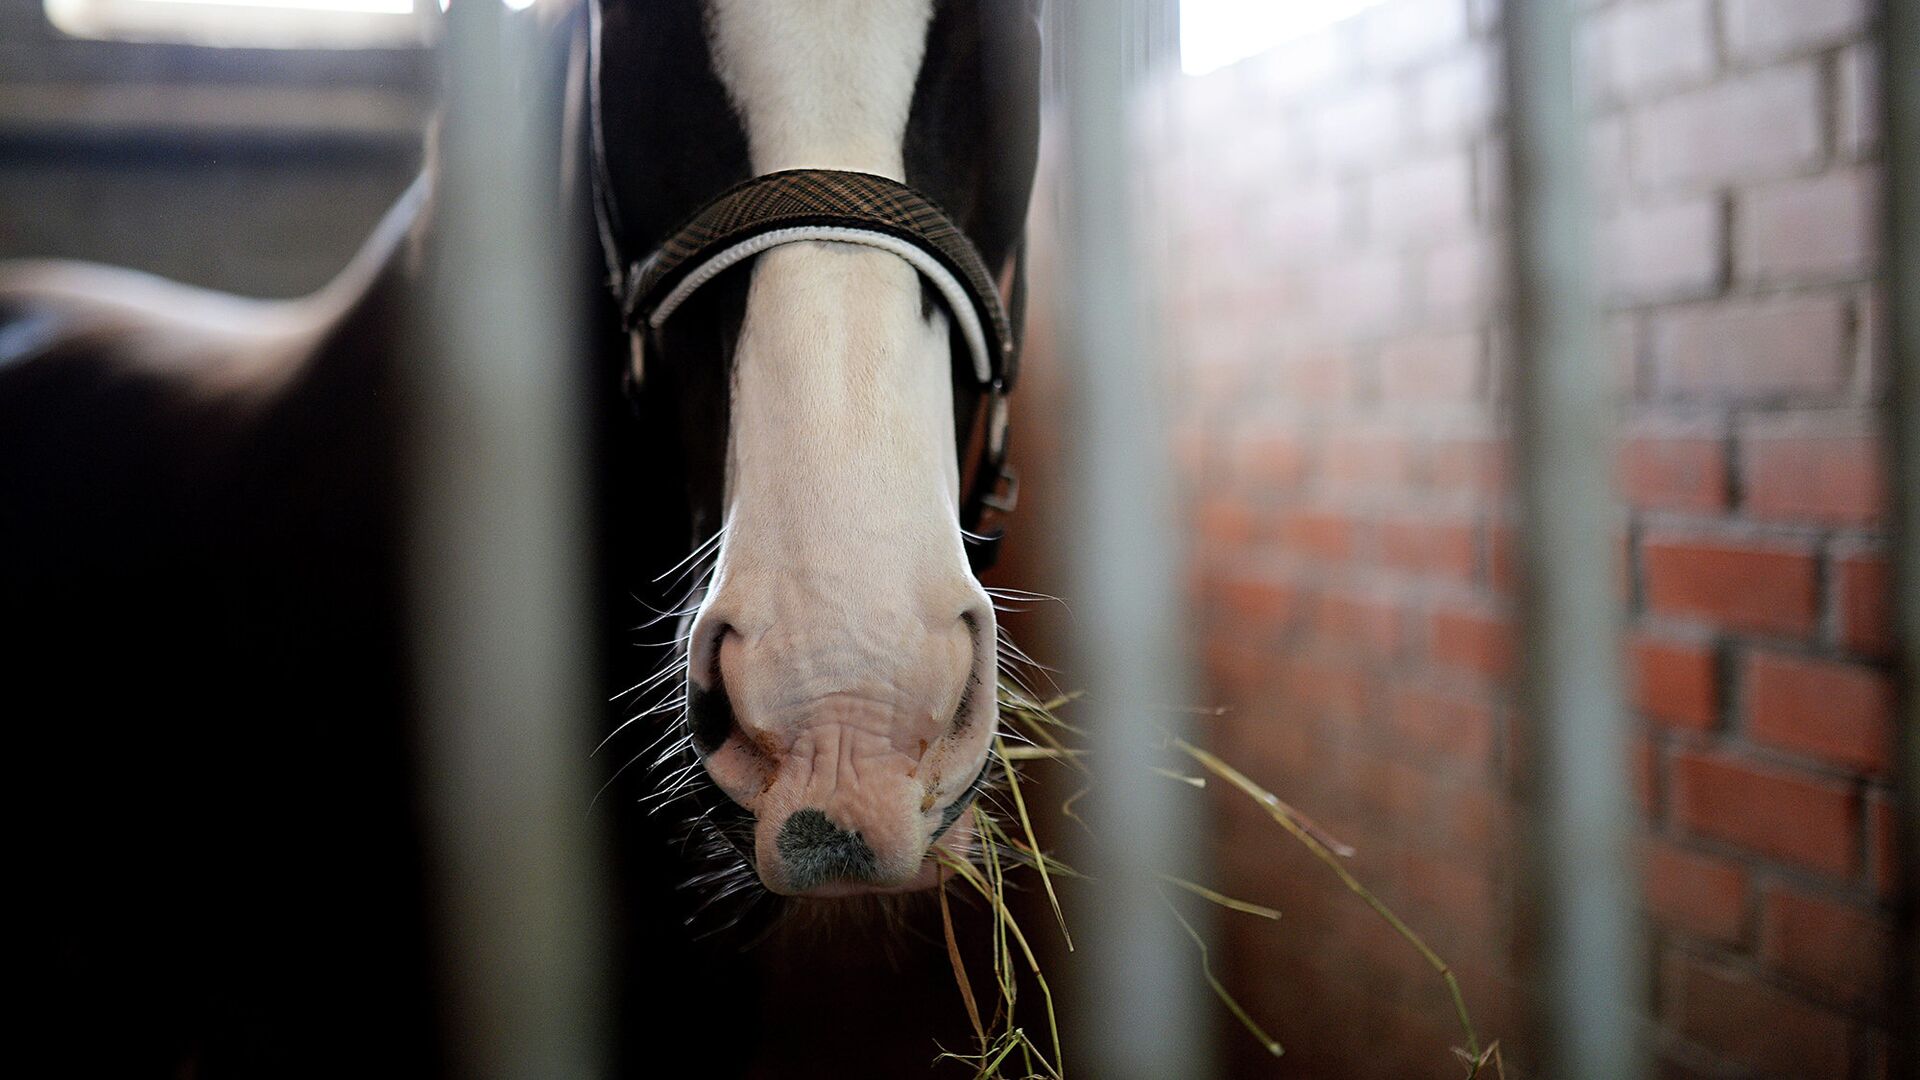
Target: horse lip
column 963, row 800
column 729, row 818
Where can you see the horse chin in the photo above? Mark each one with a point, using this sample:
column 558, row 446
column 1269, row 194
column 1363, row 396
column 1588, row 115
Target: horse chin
column 927, row 878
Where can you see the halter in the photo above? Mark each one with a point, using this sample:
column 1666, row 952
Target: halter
column 800, row 205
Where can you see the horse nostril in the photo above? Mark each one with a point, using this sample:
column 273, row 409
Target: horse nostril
column 709, row 710
column 815, row 851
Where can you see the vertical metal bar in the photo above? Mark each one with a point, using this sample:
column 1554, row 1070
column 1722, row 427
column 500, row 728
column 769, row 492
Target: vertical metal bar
column 1141, row 1012
column 1900, row 38
column 1578, row 912
column 497, row 578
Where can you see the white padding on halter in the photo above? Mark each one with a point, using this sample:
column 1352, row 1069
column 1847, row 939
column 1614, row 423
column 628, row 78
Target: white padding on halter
column 958, row 302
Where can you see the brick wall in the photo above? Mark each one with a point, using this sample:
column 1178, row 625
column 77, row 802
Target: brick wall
column 1339, row 365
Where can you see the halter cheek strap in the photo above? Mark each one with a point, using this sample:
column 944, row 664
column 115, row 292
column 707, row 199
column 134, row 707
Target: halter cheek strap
column 802, row 205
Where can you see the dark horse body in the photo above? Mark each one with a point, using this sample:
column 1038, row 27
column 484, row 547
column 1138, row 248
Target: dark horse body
column 213, row 797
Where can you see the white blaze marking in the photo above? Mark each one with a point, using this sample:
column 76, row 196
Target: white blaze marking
column 843, row 569
column 824, row 84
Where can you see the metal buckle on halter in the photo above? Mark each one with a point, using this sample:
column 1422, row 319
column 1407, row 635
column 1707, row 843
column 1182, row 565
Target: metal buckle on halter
column 1004, row 496
column 995, row 489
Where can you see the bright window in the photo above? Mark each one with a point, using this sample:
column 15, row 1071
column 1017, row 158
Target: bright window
column 1215, row 33
column 269, row 24
column 273, row 24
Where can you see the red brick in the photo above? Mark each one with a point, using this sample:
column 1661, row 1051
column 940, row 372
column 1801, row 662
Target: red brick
column 1329, row 689
column 1762, row 587
column 1883, row 840
column 1676, row 684
column 1641, row 48
column 1373, row 461
column 1474, row 641
column 1779, row 813
column 1224, row 523
column 1422, row 199
column 1839, row 713
column 1473, row 818
column 1457, row 894
column 1865, row 583
column 1442, row 725
column 1753, row 349
column 1469, row 466
column 1429, row 547
column 1644, row 763
column 1372, row 626
column 1811, row 470
column 1314, row 376
column 1430, row 368
column 1802, row 230
column 1664, row 251
column 1756, row 1025
column 1264, row 602
column 1318, row 533
column 1699, row 894
column 1767, row 29
column 1503, row 559
column 1754, row 127
column 1234, row 668
column 1841, row 948
column 1395, row 792
column 1674, row 472
column 1273, row 461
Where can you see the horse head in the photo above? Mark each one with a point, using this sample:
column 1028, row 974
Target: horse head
column 839, row 656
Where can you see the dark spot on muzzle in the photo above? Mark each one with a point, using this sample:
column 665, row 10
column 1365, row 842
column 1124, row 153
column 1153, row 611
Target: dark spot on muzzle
column 815, row 851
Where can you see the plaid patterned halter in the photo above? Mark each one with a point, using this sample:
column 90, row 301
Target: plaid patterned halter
column 800, row 205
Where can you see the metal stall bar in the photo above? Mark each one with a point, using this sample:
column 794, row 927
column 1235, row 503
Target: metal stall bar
column 1900, row 38
column 1579, row 903
column 1141, row 1011
column 497, row 579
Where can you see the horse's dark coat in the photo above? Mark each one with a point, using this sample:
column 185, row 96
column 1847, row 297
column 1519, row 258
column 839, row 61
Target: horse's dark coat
column 219, row 850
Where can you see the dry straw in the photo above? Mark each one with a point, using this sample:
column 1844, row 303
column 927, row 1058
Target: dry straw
column 1011, row 1044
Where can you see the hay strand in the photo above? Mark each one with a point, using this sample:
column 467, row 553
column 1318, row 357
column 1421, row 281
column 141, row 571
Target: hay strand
column 1220, row 898
column 1033, row 732
column 1220, row 991
column 1033, row 845
column 1331, row 852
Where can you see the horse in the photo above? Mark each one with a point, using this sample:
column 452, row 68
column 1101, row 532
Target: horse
column 200, row 509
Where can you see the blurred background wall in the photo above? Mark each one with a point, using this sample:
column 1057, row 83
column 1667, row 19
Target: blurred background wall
column 1338, row 372
column 254, row 170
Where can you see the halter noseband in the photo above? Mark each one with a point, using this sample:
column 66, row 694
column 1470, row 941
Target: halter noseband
column 800, row 205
